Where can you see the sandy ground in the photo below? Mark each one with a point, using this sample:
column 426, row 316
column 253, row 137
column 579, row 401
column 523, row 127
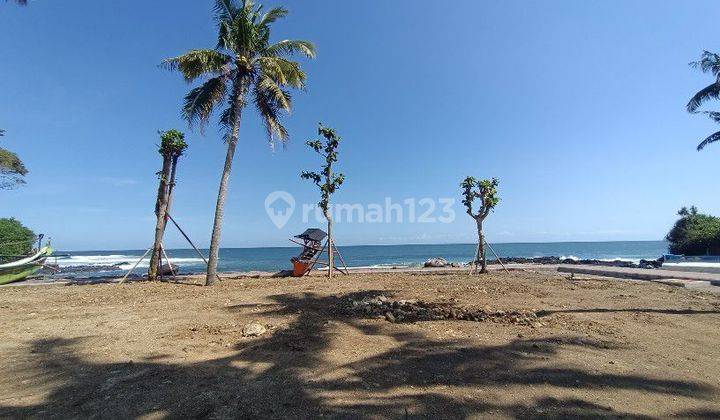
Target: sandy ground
column 598, row 348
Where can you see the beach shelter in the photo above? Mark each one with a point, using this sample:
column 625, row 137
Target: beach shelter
column 311, row 243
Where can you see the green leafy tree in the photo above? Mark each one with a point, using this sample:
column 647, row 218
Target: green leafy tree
column 485, row 190
column 708, row 63
column 172, row 146
column 327, row 181
column 244, row 67
column 694, row 233
column 12, row 170
column 15, row 239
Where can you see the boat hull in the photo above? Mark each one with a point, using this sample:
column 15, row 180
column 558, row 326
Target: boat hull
column 10, row 275
column 19, row 270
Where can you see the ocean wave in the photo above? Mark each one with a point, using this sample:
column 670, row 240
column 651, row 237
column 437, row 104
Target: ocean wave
column 125, row 262
column 632, row 260
column 573, row 257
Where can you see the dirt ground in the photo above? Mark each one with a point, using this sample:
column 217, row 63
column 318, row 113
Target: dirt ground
column 598, row 347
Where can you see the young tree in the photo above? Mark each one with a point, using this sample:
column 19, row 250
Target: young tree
column 708, row 63
column 486, row 191
column 12, row 169
column 244, row 66
column 326, row 180
column 172, row 146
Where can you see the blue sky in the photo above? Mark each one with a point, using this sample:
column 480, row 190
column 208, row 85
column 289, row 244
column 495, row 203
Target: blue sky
column 577, row 107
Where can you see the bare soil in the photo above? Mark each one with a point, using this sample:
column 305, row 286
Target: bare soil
column 588, row 348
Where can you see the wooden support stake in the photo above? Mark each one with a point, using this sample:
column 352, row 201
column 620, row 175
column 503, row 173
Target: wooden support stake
column 135, row 266
column 473, row 266
column 190, row 242
column 172, row 270
column 497, row 257
column 342, row 261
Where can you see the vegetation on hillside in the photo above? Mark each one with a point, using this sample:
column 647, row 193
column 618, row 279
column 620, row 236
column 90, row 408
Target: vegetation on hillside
column 15, row 239
column 695, row 233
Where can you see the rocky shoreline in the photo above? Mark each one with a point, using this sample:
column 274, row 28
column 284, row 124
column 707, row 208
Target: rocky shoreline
column 650, row 264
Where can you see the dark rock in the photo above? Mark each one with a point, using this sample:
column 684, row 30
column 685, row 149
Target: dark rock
column 557, row 260
column 651, row 263
column 167, row 270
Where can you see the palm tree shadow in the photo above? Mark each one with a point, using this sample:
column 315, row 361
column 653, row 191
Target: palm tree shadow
column 277, row 376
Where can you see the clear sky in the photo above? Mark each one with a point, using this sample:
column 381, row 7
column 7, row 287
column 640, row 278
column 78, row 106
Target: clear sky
column 576, row 106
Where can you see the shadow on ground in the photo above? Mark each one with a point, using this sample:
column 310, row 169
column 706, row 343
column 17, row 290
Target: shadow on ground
column 406, row 381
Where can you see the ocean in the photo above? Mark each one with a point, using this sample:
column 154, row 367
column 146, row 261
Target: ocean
column 83, row 264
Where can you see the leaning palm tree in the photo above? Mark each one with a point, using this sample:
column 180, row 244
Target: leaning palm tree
column 708, row 63
column 244, row 66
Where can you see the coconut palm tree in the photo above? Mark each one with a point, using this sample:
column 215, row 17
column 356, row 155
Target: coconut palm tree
column 244, row 67
column 708, row 63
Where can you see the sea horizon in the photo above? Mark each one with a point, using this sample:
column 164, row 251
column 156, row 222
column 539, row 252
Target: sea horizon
column 104, row 263
column 59, row 250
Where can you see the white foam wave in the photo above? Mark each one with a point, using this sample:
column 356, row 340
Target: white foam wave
column 573, row 257
column 632, row 260
column 125, row 262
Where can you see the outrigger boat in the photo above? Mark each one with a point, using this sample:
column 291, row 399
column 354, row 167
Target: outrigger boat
column 21, row 269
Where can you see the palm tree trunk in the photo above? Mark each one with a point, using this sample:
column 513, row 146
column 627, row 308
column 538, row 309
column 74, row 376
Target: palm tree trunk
column 160, row 211
column 171, row 184
column 220, row 206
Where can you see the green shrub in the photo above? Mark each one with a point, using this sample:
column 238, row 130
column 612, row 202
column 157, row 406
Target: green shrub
column 15, row 239
column 695, row 234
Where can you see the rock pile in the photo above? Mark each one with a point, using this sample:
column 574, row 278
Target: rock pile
column 253, row 329
column 413, row 310
column 436, row 262
column 557, row 260
column 439, row 262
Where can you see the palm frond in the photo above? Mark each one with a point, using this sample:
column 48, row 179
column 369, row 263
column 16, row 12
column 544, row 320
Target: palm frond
column 283, row 72
column 709, row 92
column 709, row 62
column 715, row 116
column 711, row 139
column 201, row 101
column 269, row 109
column 281, row 98
column 291, row 47
column 272, row 15
column 196, row 63
column 225, row 10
